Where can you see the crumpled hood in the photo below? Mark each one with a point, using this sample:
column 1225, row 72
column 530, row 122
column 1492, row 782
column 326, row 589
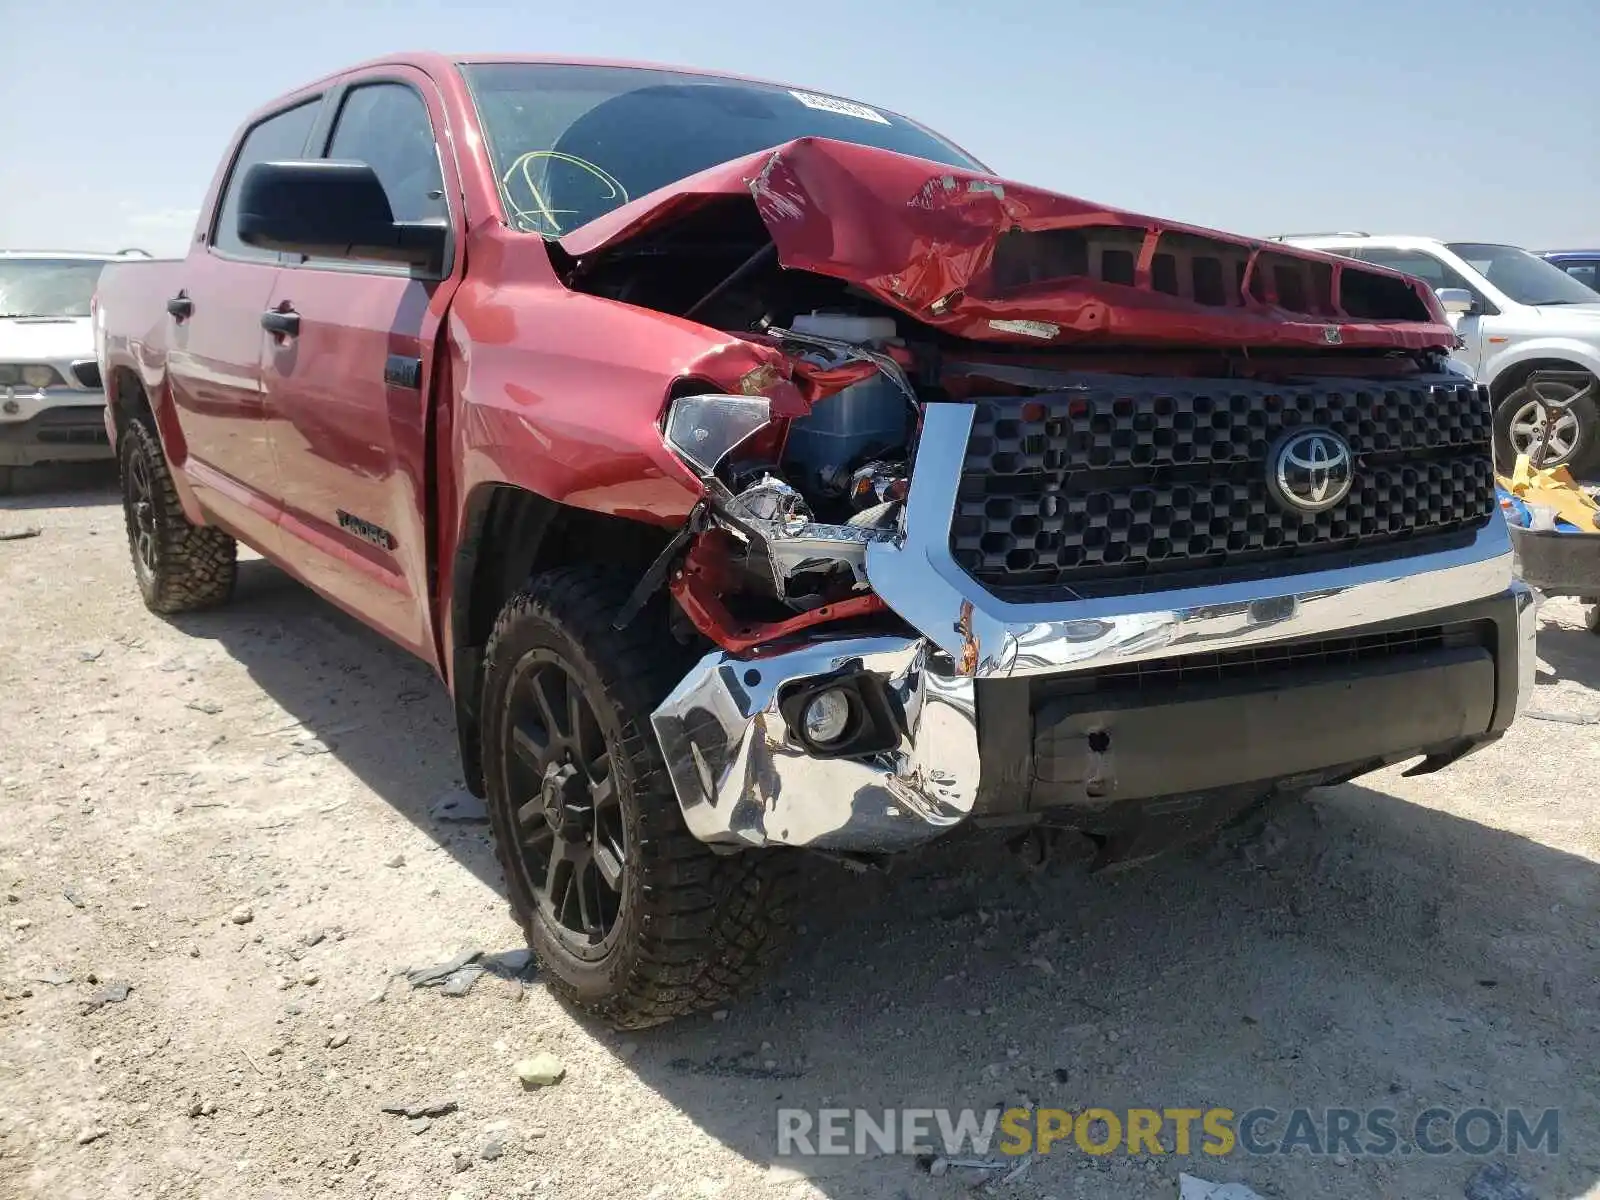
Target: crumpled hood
column 989, row 259
column 45, row 339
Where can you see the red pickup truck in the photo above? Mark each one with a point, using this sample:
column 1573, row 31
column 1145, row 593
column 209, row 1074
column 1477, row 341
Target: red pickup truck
column 761, row 473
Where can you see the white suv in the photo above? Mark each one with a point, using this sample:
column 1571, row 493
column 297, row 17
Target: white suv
column 52, row 408
column 1516, row 314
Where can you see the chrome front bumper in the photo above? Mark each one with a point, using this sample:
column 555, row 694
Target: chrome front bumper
column 744, row 778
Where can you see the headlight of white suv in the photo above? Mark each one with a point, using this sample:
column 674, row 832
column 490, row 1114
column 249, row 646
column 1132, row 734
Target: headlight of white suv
column 33, row 376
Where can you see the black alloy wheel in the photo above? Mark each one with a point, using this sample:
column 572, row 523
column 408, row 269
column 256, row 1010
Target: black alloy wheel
column 631, row 917
column 572, row 841
column 141, row 502
column 178, row 565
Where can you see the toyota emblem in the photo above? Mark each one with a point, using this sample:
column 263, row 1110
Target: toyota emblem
column 1310, row 470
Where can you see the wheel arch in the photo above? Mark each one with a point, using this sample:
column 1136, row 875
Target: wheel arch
column 128, row 397
column 1508, row 376
column 508, row 535
column 1514, row 375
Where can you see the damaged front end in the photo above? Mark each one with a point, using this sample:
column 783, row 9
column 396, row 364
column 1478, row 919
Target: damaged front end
column 1006, row 451
column 822, row 720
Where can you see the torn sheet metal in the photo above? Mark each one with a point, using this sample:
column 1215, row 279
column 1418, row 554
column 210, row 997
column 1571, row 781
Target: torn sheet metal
column 923, row 238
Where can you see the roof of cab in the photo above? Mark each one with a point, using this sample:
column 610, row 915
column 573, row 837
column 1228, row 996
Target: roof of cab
column 434, row 61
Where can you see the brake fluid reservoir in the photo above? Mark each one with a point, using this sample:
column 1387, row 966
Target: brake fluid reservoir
column 865, row 419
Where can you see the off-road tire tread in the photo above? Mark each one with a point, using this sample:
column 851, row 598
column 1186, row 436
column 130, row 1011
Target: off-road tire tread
column 196, row 565
column 710, row 924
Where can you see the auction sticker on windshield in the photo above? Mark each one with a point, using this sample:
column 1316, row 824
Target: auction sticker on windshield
column 845, row 108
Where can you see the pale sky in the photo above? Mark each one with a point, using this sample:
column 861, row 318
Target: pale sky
column 1460, row 120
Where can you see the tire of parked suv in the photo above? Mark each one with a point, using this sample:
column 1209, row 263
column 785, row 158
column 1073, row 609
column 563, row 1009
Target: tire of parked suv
column 179, row 566
column 640, row 923
column 8, row 477
column 1585, row 453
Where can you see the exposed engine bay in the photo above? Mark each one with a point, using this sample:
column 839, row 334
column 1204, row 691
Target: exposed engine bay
column 859, row 315
column 792, row 503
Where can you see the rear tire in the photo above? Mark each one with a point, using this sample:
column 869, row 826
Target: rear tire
column 179, row 566
column 8, row 480
column 638, row 923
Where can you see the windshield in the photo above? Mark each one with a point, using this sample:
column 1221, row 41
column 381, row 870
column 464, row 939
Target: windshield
column 47, row 287
column 570, row 143
column 1524, row 277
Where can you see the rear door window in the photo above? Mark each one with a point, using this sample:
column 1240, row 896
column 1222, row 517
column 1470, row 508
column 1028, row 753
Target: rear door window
column 278, row 137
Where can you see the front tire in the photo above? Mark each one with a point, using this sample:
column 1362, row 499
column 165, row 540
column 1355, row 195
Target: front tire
column 8, row 480
column 179, row 566
column 1576, row 439
column 630, row 916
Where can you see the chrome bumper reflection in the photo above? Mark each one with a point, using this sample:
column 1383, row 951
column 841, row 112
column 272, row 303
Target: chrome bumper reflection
column 744, row 779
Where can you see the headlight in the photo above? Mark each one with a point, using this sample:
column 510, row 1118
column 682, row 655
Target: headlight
column 703, row 430
column 12, row 375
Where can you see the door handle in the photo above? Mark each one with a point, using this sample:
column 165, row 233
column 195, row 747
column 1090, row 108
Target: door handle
column 180, row 307
column 281, row 322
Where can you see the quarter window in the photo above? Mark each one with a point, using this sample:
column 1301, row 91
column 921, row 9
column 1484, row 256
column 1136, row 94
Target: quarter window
column 279, row 137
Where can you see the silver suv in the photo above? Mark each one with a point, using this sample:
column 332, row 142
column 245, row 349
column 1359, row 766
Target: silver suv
column 52, row 408
column 1516, row 314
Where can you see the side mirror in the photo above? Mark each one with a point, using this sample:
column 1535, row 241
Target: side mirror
column 1456, row 301
column 332, row 209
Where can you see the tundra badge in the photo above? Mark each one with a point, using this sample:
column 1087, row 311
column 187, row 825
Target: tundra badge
column 366, row 530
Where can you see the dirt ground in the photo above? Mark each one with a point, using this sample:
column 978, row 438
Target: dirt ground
column 234, row 815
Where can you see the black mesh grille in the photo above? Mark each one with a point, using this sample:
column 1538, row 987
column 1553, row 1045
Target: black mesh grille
column 1129, row 484
column 87, row 374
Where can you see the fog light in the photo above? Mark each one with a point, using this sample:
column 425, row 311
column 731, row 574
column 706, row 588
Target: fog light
column 826, row 717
